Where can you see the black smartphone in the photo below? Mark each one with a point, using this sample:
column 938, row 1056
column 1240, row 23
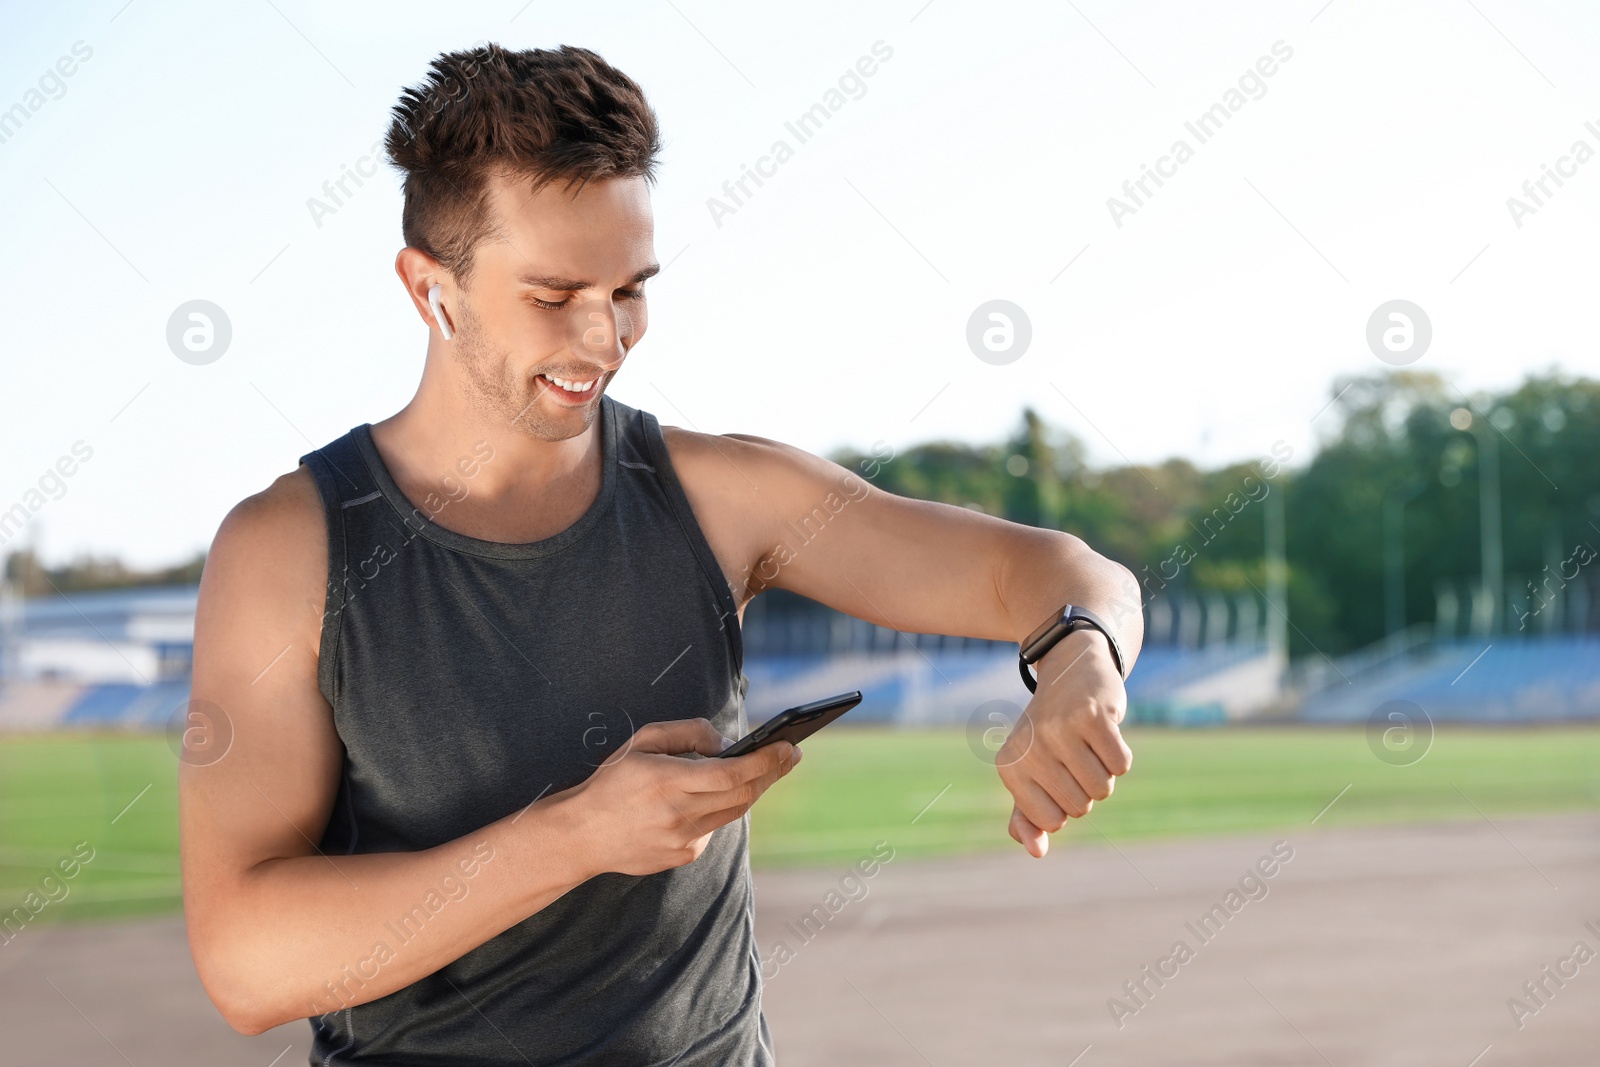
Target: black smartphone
column 795, row 724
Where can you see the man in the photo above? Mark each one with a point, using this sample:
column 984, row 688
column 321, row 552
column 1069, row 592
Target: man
column 467, row 657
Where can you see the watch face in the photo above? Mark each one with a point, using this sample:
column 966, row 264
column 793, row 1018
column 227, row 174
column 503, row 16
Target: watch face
column 1039, row 634
column 1045, row 637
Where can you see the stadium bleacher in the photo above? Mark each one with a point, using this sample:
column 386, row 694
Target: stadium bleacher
column 1505, row 679
column 121, row 660
column 125, row 705
column 918, row 686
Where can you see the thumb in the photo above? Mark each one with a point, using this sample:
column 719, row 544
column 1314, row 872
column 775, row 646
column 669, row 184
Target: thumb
column 1029, row 836
column 674, row 738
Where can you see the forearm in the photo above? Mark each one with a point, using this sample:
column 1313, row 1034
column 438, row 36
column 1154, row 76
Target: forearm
column 1049, row 569
column 299, row 936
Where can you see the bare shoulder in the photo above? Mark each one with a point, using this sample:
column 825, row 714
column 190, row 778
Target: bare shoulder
column 268, row 563
column 282, row 523
column 740, row 465
column 746, row 490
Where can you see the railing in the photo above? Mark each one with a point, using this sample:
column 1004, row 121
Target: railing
column 818, row 633
column 1314, row 674
column 780, row 623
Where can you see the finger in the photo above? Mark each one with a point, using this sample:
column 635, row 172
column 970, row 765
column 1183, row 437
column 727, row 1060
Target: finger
column 1087, row 770
column 1111, row 750
column 716, row 820
column 1063, row 785
column 685, row 805
column 725, row 775
column 784, row 766
column 1029, row 836
column 751, row 791
column 675, row 737
column 703, row 807
column 1037, row 805
column 705, row 812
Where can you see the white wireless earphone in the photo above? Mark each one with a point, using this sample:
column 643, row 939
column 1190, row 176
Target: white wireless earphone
column 438, row 312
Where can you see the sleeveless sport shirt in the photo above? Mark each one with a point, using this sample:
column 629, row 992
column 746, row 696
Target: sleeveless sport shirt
column 469, row 677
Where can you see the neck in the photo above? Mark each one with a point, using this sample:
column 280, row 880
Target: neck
column 496, row 481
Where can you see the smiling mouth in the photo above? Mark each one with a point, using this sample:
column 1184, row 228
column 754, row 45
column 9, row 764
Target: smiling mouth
column 571, row 390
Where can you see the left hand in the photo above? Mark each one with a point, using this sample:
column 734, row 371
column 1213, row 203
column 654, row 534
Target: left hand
column 1066, row 750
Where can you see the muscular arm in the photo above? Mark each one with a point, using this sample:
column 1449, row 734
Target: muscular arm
column 779, row 517
column 279, row 931
column 783, row 518
column 271, row 921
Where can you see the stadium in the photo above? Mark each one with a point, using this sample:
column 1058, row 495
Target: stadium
column 1307, row 441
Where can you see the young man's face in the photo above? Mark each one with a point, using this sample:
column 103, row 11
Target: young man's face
column 555, row 301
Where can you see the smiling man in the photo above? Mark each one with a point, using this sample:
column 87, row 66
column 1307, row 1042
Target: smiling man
column 463, row 659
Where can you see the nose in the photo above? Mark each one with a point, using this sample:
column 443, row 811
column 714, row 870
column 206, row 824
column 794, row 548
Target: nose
column 600, row 332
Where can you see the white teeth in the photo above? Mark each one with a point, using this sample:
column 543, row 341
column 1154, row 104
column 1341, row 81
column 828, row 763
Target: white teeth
column 571, row 386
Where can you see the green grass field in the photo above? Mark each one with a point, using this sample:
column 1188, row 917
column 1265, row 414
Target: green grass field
column 925, row 792
column 855, row 788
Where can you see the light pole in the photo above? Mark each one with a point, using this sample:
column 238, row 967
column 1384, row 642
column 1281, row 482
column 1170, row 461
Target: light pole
column 1394, row 555
column 1486, row 620
column 1277, row 578
column 8, row 626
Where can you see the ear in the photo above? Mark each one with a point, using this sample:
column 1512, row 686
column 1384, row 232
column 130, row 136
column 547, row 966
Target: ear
column 420, row 272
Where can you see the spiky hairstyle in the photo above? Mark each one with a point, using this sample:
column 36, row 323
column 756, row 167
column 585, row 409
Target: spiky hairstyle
column 539, row 115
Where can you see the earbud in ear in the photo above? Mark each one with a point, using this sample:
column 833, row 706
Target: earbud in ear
column 438, row 312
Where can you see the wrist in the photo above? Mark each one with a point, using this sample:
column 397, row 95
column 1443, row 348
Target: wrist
column 1084, row 647
column 1053, row 633
column 560, row 828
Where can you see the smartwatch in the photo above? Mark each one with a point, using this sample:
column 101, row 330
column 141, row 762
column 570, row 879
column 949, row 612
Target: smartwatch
column 1069, row 618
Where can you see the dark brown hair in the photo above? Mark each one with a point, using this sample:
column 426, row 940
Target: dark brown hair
column 541, row 115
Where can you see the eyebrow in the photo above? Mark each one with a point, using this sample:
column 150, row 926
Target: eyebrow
column 572, row 285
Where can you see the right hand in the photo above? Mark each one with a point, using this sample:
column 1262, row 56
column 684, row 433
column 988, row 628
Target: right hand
column 647, row 809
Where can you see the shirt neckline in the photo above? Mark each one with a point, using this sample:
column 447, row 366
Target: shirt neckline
column 417, row 520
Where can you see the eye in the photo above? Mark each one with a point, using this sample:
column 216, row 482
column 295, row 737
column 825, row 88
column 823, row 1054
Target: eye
column 550, row 305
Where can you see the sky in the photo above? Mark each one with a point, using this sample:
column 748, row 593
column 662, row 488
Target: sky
column 843, row 301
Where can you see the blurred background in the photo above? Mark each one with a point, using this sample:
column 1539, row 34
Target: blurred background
column 1288, row 308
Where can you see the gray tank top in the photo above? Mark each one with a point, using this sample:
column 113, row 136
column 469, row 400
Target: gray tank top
column 469, row 677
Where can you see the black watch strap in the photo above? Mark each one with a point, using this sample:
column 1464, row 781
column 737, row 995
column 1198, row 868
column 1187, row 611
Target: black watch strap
column 1059, row 625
